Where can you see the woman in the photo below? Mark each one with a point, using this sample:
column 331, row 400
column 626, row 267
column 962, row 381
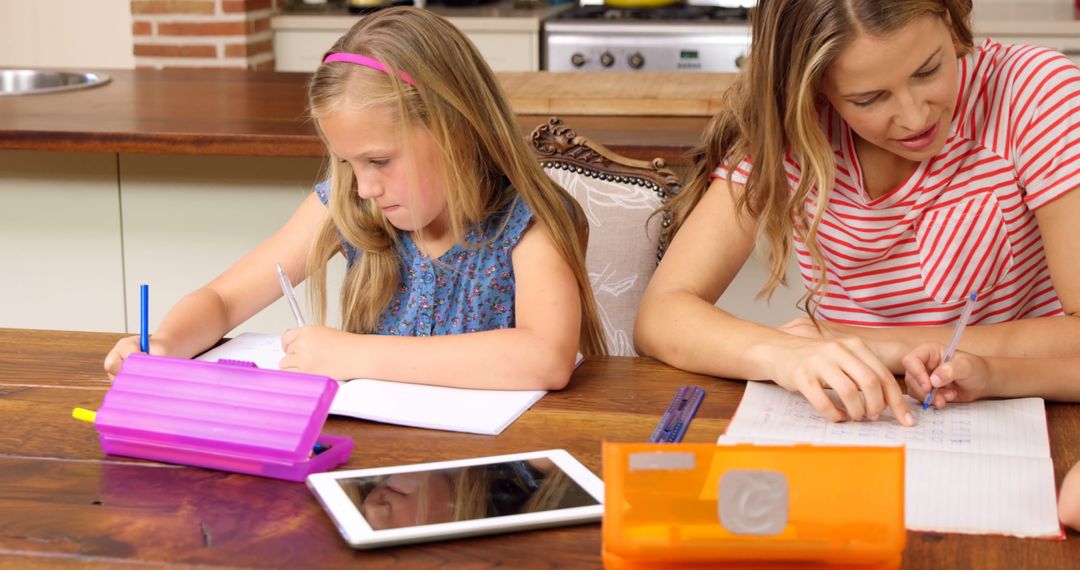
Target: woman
column 907, row 168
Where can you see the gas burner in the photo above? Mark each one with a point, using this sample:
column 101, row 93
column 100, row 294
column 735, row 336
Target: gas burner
column 662, row 14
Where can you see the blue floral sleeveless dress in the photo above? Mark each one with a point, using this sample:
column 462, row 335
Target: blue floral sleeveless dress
column 467, row 289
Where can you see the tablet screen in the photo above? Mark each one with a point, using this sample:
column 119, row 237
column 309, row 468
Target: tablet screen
column 430, row 496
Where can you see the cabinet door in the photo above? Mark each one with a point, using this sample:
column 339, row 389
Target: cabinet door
column 60, row 247
column 302, row 50
column 508, row 51
column 188, row 218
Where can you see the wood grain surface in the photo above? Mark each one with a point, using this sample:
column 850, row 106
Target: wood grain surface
column 249, row 113
column 65, row 505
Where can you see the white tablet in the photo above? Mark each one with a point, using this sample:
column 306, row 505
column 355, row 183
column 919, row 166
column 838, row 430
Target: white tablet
column 450, row 499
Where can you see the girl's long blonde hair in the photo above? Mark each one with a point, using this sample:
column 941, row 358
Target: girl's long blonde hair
column 457, row 99
column 774, row 108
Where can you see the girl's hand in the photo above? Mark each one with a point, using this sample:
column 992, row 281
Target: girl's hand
column 319, row 350
column 963, row 379
column 851, row 369
column 127, row 345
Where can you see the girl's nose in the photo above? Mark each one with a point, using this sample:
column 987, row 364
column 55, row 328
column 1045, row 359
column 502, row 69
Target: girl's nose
column 368, row 187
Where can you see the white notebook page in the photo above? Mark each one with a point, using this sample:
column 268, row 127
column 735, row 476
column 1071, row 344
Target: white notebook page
column 486, row 412
column 982, row 467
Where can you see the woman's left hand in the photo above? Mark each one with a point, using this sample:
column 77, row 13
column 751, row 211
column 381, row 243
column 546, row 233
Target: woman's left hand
column 804, row 327
column 315, row 349
column 891, row 353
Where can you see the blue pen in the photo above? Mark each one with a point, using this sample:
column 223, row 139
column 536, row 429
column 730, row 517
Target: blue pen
column 962, row 322
column 144, row 325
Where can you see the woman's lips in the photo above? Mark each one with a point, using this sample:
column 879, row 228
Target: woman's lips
column 921, row 140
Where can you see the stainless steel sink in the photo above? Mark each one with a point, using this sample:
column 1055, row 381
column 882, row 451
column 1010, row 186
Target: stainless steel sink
column 35, row 81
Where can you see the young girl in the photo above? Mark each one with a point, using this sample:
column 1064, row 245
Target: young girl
column 970, row 377
column 907, row 168
column 466, row 267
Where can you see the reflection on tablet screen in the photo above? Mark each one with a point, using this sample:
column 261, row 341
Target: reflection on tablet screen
column 464, row 493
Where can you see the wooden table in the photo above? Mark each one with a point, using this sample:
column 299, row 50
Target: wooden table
column 62, row 504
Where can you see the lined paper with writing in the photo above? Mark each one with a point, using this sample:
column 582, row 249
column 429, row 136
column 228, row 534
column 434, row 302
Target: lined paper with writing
column 982, row 467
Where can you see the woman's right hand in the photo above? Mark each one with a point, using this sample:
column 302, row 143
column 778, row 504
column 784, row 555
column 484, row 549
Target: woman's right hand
column 849, row 367
column 126, row 346
column 965, row 378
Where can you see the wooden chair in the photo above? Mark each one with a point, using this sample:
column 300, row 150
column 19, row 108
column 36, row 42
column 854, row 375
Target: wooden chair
column 619, row 196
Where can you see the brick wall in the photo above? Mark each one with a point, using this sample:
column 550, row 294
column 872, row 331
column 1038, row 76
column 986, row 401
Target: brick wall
column 203, row 33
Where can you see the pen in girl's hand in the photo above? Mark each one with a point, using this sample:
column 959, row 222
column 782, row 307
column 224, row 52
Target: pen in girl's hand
column 290, row 295
column 962, row 322
column 144, row 318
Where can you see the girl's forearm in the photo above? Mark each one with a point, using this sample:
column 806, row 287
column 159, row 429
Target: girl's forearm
column 506, row 359
column 193, row 324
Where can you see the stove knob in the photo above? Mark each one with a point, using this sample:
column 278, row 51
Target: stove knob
column 577, row 59
column 606, row 59
column 637, row 60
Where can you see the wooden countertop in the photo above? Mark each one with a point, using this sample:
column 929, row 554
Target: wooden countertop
column 228, row 112
column 66, row 505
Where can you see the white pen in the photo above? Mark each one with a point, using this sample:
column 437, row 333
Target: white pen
column 290, row 295
column 962, row 322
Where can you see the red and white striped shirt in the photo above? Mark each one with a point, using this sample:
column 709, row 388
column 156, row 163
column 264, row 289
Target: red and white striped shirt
column 964, row 221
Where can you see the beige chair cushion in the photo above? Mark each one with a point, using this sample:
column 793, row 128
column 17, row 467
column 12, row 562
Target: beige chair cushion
column 622, row 252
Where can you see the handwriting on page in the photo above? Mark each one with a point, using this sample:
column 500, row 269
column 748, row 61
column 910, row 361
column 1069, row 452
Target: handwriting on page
column 949, row 429
column 1004, row 427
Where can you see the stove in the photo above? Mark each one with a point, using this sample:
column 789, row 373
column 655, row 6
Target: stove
column 683, row 37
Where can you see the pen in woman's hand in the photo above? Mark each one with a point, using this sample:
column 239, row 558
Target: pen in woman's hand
column 962, row 322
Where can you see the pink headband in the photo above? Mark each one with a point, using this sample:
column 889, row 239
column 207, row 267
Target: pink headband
column 366, row 62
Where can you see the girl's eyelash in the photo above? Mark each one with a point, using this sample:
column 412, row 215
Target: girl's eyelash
column 864, row 103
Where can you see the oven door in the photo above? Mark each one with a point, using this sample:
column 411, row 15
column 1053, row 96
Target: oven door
column 651, row 47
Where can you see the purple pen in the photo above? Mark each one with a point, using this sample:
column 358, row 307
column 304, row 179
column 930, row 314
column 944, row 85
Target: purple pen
column 962, row 322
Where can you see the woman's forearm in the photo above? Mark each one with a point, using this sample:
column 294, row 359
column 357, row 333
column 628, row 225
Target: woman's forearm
column 1025, row 338
column 1055, row 379
column 687, row 332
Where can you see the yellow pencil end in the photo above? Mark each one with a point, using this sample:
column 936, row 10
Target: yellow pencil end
column 84, row 414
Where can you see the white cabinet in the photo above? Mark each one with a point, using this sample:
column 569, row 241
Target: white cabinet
column 80, row 231
column 507, row 43
column 60, row 247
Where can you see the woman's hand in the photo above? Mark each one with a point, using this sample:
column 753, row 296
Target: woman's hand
column 848, row 366
column 965, row 378
column 320, row 350
column 127, row 345
column 891, row 353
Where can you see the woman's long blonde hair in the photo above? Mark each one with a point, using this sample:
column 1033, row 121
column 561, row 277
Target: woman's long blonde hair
column 773, row 108
column 457, row 99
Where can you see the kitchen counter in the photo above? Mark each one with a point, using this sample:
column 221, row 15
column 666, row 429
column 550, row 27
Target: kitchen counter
column 226, row 112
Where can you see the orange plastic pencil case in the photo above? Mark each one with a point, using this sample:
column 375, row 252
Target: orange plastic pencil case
column 692, row 505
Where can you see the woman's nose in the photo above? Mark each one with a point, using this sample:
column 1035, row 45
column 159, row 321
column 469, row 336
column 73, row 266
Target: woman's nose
column 913, row 112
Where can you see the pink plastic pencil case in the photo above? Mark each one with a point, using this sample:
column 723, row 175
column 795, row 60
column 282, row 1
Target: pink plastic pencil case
column 226, row 415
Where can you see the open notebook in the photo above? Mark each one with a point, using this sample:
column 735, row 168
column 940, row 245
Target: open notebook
column 486, row 412
column 977, row 468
